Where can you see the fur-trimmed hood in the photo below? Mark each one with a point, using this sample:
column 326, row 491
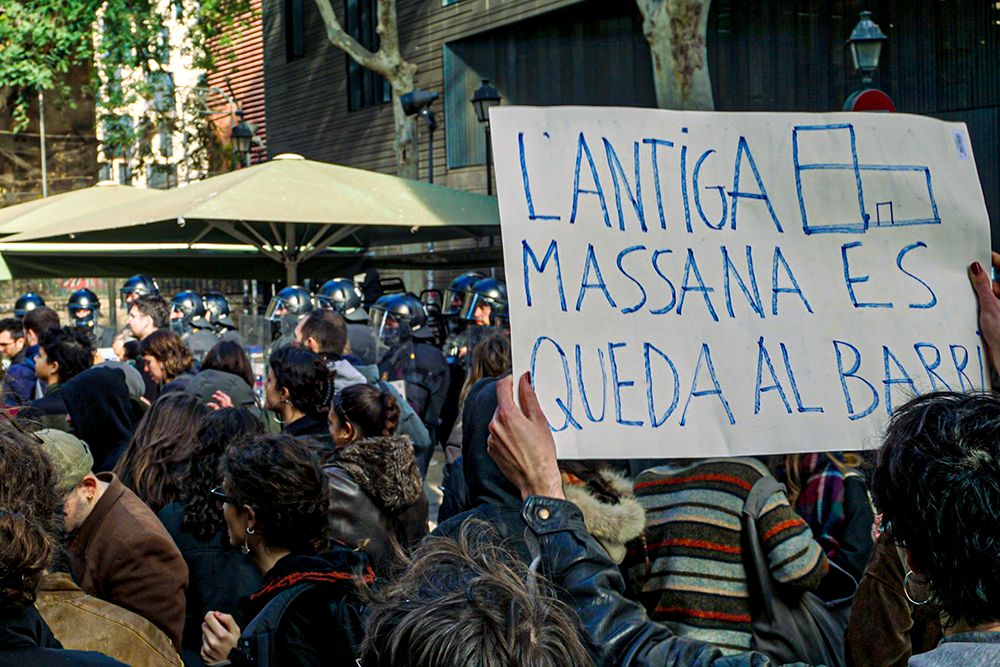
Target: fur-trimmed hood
column 385, row 468
column 613, row 525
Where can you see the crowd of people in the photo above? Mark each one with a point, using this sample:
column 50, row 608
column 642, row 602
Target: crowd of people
column 164, row 503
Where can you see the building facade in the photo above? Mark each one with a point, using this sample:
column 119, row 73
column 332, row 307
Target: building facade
column 942, row 59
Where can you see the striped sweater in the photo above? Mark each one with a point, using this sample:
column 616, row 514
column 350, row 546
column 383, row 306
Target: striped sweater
column 688, row 570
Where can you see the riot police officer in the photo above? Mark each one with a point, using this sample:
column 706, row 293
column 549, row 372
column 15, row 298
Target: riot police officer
column 27, row 302
column 218, row 315
column 187, row 318
column 286, row 309
column 432, row 377
column 137, row 286
column 84, row 309
column 454, row 298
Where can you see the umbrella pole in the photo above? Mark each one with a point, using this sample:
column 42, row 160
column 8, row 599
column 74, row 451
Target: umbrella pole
column 291, row 272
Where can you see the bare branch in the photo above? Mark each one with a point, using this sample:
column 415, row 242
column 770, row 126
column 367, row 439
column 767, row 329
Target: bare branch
column 343, row 41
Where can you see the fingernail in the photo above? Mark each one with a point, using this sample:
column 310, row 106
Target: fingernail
column 976, row 269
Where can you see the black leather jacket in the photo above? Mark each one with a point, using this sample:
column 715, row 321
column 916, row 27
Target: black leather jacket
column 620, row 632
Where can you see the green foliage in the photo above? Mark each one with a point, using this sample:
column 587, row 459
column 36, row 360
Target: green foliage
column 122, row 42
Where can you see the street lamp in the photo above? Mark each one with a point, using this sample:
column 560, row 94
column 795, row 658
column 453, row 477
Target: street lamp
column 483, row 100
column 866, row 46
column 241, row 137
column 419, row 102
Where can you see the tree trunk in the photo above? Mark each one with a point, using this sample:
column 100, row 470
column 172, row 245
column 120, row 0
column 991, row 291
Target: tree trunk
column 405, row 144
column 388, row 62
column 676, row 32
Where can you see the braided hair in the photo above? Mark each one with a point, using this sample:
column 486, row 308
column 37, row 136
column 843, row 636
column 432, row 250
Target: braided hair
column 372, row 412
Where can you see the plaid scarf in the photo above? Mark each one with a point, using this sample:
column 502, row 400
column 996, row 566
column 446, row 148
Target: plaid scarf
column 821, row 499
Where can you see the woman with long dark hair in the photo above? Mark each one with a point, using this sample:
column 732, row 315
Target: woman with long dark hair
column 299, row 390
column 159, row 456
column 226, row 379
column 219, row 575
column 377, row 494
column 308, row 611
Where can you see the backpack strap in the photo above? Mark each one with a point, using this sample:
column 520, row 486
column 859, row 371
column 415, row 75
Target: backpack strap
column 257, row 643
column 763, row 489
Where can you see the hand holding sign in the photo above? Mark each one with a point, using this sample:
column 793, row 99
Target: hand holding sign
column 521, row 442
column 987, row 292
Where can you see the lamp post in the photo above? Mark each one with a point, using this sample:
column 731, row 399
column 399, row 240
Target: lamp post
column 865, row 43
column 486, row 97
column 241, row 137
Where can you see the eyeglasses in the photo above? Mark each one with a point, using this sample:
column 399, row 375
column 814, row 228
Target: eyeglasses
column 219, row 495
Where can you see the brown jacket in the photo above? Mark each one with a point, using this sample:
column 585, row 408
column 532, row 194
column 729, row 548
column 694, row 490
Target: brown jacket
column 123, row 554
column 81, row 622
column 885, row 629
column 376, row 495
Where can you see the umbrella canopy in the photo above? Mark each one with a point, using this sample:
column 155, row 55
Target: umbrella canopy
column 290, row 210
column 69, row 206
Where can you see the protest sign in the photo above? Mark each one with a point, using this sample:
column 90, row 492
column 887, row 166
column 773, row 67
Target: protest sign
column 687, row 284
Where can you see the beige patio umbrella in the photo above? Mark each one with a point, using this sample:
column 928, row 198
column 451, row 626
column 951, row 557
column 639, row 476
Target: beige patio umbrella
column 290, row 210
column 69, row 205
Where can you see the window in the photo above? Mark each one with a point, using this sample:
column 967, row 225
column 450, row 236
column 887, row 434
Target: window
column 118, row 134
column 104, row 171
column 163, row 46
column 162, row 84
column 162, row 176
column 124, row 174
column 166, row 142
column 365, row 88
column 295, row 32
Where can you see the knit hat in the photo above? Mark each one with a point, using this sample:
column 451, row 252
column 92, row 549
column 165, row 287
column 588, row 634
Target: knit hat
column 70, row 456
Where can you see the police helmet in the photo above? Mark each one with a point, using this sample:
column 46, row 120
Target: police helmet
column 488, row 292
column 185, row 306
column 29, row 301
column 137, row 286
column 500, row 318
column 216, row 306
column 454, row 296
column 399, row 309
column 344, row 296
column 293, row 300
column 84, row 306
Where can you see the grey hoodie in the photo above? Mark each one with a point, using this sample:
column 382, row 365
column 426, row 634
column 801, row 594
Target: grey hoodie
column 967, row 649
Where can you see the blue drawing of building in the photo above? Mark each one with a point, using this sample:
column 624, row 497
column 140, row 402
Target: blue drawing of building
column 884, row 215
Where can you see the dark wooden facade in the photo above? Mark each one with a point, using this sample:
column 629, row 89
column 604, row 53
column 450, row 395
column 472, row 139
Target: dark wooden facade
column 942, row 59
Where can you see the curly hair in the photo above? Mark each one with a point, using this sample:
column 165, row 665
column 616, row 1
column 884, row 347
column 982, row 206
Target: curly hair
column 157, row 460
column 229, row 426
column 306, row 377
column 71, row 348
column 167, row 348
column 280, row 477
column 30, row 515
column 469, row 602
column 229, row 357
column 371, row 411
column 937, row 483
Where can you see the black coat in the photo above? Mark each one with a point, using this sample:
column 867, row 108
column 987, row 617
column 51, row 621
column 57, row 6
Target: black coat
column 311, row 426
column 25, row 641
column 101, row 412
column 220, row 578
column 492, row 497
column 323, row 626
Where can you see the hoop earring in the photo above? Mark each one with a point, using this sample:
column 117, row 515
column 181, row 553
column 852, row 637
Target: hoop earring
column 906, row 591
column 277, row 416
column 245, row 547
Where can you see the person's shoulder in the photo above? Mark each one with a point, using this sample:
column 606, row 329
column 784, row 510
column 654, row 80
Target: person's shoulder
column 136, row 521
column 171, row 516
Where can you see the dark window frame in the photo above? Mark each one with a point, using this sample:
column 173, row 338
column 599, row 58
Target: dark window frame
column 365, row 88
column 295, row 30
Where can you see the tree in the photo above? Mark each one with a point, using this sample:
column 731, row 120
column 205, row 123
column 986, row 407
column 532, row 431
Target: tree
column 121, row 41
column 676, row 30
column 389, row 63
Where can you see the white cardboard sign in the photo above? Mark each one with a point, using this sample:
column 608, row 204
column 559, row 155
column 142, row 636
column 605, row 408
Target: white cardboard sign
column 688, row 284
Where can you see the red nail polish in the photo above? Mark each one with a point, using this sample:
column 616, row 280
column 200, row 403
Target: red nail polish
column 976, row 269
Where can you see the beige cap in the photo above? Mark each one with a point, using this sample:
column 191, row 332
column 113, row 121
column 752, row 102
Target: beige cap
column 70, row 456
